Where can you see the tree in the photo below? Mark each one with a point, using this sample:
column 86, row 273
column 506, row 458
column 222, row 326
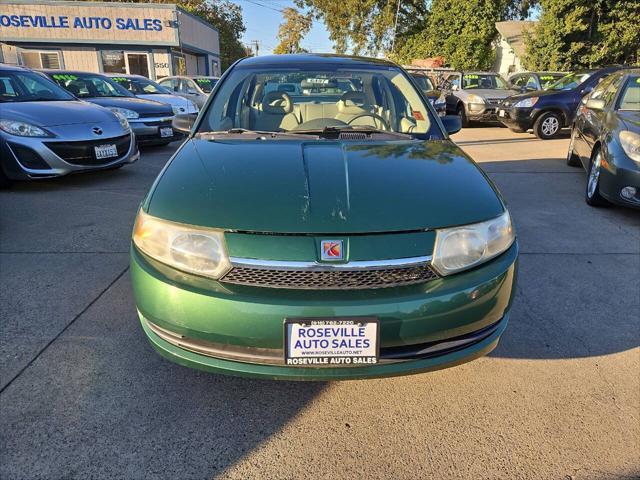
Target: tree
column 292, row 30
column 583, row 33
column 462, row 31
column 365, row 25
column 225, row 15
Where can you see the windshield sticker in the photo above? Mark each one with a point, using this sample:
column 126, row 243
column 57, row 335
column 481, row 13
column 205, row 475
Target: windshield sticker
column 203, row 80
column 119, row 79
column 471, row 76
column 63, row 77
column 417, row 114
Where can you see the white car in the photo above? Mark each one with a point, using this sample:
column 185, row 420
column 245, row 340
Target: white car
column 144, row 88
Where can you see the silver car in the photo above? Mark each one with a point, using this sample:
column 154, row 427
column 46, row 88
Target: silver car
column 475, row 96
column 142, row 87
column 46, row 132
column 196, row 88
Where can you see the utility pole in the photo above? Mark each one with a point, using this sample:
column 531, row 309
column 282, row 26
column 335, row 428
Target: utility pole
column 256, row 46
column 395, row 27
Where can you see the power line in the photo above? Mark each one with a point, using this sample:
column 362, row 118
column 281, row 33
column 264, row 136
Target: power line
column 264, row 6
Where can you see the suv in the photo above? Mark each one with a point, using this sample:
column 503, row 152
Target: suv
column 474, row 96
column 530, row 81
column 547, row 111
column 196, row 88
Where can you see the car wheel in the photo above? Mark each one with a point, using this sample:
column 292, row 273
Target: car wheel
column 463, row 116
column 547, row 125
column 572, row 159
column 592, row 193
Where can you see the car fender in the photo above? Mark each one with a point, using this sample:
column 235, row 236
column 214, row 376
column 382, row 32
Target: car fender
column 560, row 108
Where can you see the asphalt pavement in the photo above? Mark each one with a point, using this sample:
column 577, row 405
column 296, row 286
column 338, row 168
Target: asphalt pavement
column 83, row 395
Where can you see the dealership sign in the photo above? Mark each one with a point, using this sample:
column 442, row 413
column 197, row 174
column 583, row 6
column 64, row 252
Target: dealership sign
column 64, row 21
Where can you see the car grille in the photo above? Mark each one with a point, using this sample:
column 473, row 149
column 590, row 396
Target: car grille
column 155, row 114
column 330, row 279
column 494, row 101
column 83, row 152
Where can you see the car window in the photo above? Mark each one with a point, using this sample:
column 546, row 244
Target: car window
column 571, row 81
column 423, row 81
column 532, row 82
column 170, row 84
column 546, row 80
column 454, row 80
column 206, row 84
column 611, row 89
column 89, row 85
column 518, row 81
column 630, row 97
column 189, row 86
column 28, row 86
column 600, row 88
column 385, row 99
column 483, row 80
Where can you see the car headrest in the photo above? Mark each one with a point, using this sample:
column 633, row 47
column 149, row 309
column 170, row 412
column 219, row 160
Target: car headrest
column 353, row 103
column 74, row 89
column 277, row 103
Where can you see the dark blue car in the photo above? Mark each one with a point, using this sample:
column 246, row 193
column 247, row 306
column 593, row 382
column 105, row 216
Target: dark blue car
column 547, row 111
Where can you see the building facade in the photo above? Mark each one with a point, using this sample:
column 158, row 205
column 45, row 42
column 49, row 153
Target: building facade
column 154, row 40
column 511, row 46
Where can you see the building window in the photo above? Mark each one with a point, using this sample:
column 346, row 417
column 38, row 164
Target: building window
column 41, row 59
column 179, row 64
column 113, row 61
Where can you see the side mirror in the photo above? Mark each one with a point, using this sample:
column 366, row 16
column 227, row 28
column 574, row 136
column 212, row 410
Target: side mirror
column 595, row 104
column 452, row 123
column 183, row 122
column 586, row 90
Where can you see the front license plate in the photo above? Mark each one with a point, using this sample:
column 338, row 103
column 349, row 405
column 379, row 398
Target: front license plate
column 501, row 113
column 106, row 151
column 166, row 132
column 331, row 342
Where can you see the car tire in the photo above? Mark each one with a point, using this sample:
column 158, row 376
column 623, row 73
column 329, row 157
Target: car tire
column 463, row 116
column 592, row 192
column 572, row 159
column 547, row 125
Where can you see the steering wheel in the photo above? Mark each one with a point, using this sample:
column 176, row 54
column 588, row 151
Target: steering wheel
column 375, row 116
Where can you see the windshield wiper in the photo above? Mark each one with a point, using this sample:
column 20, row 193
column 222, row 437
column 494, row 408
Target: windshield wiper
column 242, row 131
column 334, row 131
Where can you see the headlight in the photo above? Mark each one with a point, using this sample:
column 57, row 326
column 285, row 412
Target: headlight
column 459, row 248
column 125, row 112
column 23, row 129
column 630, row 144
column 526, row 103
column 192, row 249
column 473, row 98
column 124, row 123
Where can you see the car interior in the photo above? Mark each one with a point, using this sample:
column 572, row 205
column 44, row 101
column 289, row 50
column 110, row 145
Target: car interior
column 289, row 102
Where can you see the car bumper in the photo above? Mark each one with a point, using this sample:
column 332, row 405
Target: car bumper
column 26, row 158
column 148, row 130
column 620, row 172
column 482, row 112
column 239, row 331
column 516, row 118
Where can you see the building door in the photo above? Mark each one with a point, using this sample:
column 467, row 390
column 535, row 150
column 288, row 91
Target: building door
column 138, row 64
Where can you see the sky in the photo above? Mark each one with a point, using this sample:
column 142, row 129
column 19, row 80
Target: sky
column 262, row 19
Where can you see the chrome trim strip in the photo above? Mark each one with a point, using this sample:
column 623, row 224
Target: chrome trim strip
column 357, row 265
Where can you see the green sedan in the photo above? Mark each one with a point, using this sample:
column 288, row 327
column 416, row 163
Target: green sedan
column 319, row 224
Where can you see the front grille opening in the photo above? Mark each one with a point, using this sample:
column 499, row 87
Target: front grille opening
column 83, row 152
column 347, row 279
column 29, row 158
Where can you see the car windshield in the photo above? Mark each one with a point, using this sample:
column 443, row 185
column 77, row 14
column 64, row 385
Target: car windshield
column 206, row 84
column 483, row 80
column 423, row 82
column 25, row 86
column 140, row 86
column 571, row 81
column 548, row 79
column 87, row 85
column 300, row 99
column 630, row 96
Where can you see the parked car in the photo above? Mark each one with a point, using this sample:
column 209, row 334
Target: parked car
column 322, row 236
column 196, row 88
column 142, row 87
column 531, row 81
column 474, row 96
column 149, row 120
column 605, row 140
column 46, row 132
column 433, row 94
column 548, row 111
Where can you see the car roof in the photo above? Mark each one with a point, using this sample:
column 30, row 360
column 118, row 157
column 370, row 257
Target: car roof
column 313, row 59
column 7, row 67
column 70, row 72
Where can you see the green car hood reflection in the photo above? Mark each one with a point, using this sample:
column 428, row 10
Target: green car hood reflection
column 323, row 186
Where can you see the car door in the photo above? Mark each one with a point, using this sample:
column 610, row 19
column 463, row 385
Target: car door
column 592, row 120
column 452, row 85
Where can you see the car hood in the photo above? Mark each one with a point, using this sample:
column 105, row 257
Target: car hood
column 139, row 105
column 547, row 94
column 323, row 187
column 491, row 92
column 166, row 98
column 51, row 114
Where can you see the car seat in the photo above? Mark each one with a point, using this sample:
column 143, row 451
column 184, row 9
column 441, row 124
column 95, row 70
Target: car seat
column 275, row 113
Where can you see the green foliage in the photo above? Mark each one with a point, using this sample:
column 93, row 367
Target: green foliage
column 292, row 30
column 583, row 33
column 462, row 31
column 365, row 26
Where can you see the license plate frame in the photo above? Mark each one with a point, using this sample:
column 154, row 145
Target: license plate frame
column 165, row 132
column 103, row 152
column 354, row 355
